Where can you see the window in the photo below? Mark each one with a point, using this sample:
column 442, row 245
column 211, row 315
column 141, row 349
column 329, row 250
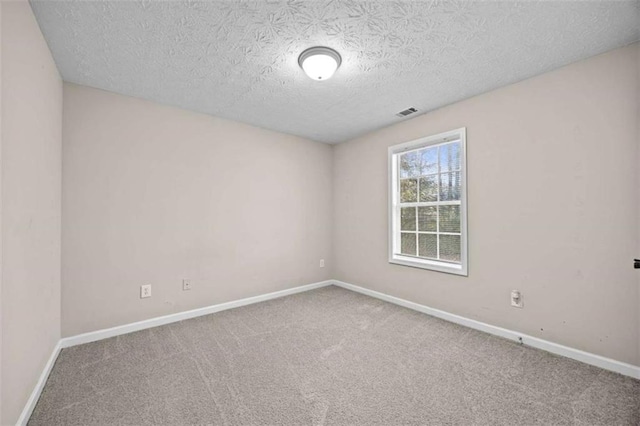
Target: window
column 428, row 203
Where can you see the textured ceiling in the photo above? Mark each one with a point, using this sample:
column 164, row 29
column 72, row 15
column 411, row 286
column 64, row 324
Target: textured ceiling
column 238, row 59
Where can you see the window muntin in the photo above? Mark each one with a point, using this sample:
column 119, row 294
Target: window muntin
column 428, row 203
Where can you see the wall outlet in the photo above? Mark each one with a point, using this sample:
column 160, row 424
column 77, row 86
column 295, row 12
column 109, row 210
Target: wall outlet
column 322, row 263
column 186, row 284
column 145, row 291
column 516, row 299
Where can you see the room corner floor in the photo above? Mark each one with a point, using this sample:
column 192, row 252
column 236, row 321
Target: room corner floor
column 327, row 356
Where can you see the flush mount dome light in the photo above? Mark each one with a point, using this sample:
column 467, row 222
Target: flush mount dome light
column 319, row 63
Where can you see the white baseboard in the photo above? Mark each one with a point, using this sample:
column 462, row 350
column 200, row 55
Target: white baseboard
column 180, row 316
column 35, row 395
column 555, row 348
column 141, row 325
column 586, row 357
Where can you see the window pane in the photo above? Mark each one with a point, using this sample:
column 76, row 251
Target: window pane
column 429, row 188
column 427, row 180
column 409, row 165
column 450, row 247
column 408, row 218
column 449, row 218
column 450, row 157
column 428, row 219
column 450, row 186
column 428, row 245
column 429, row 161
column 409, row 190
column 408, row 243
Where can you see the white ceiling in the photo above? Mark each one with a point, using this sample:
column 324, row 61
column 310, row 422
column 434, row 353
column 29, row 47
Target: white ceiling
column 238, row 59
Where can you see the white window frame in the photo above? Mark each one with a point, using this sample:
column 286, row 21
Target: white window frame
column 394, row 204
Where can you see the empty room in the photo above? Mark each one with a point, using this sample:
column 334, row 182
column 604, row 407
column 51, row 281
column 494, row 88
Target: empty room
column 319, row 212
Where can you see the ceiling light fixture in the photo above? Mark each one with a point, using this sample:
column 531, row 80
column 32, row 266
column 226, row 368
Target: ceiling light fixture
column 319, row 63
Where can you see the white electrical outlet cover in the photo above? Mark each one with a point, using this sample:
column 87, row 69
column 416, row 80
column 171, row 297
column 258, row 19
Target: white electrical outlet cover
column 145, row 291
column 186, row 284
column 516, row 299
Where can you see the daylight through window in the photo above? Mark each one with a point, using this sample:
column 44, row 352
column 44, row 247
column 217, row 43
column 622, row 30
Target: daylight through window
column 428, row 203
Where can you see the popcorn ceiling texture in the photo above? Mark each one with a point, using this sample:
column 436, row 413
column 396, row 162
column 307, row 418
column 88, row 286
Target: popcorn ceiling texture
column 238, row 59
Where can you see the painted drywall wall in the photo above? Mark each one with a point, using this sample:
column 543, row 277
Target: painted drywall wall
column 154, row 194
column 638, row 184
column 553, row 207
column 31, row 206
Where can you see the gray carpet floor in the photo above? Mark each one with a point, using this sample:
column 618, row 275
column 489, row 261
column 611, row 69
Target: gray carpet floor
column 328, row 356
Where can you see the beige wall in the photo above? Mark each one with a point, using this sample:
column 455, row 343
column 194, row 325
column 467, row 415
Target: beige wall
column 553, row 207
column 637, row 256
column 154, row 194
column 31, row 173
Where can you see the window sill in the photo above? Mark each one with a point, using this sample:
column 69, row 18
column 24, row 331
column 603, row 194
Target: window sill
column 433, row 265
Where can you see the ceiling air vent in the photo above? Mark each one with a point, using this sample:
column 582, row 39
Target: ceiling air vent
column 406, row 112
